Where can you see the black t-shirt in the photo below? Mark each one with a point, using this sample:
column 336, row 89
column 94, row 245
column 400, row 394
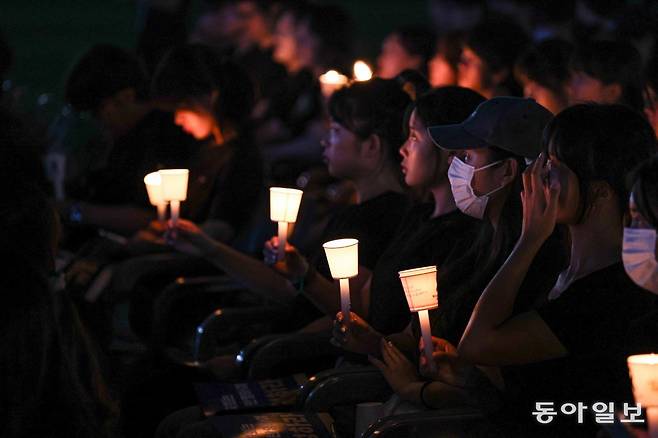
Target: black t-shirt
column 373, row 223
column 155, row 142
column 225, row 183
column 591, row 319
column 420, row 241
column 464, row 282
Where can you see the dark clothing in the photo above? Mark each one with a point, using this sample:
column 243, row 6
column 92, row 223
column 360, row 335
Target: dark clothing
column 373, row 223
column 591, row 319
column 225, row 183
column 420, row 241
column 463, row 285
column 155, row 142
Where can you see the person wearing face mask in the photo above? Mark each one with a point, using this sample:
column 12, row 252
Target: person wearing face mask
column 571, row 347
column 490, row 150
column 639, row 250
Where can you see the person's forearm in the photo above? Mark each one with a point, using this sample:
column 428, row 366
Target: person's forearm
column 497, row 301
column 253, row 273
column 125, row 219
column 437, row 395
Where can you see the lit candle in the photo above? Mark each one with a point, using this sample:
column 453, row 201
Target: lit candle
column 332, row 81
column 419, row 286
column 343, row 259
column 362, row 71
column 643, row 369
column 153, row 183
column 284, row 206
column 174, row 189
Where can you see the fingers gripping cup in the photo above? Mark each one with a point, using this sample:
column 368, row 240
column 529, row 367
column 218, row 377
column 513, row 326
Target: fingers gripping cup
column 419, row 286
column 643, row 369
column 343, row 258
column 174, row 189
column 153, row 183
column 284, row 207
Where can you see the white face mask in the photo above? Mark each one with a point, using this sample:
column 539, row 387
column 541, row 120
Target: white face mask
column 460, row 175
column 639, row 256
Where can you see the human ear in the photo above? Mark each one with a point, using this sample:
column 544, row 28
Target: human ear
column 510, row 170
column 371, row 146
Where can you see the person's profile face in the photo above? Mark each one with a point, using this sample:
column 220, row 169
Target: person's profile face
column 543, row 96
column 471, row 71
column 196, row 122
column 253, row 25
column 285, row 43
column 419, row 156
column 585, row 88
column 341, row 151
column 393, row 58
column 486, row 180
column 637, row 220
column 307, row 46
column 440, row 72
column 569, row 197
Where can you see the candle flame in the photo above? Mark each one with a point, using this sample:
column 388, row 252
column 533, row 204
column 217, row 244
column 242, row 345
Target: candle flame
column 362, row 71
column 333, row 77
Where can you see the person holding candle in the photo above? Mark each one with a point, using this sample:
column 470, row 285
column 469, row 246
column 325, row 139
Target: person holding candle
column 497, row 193
column 571, row 346
column 361, row 147
column 111, row 84
column 212, row 100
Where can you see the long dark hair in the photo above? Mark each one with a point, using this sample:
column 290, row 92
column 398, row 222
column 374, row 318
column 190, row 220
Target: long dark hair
column 464, row 277
column 600, row 143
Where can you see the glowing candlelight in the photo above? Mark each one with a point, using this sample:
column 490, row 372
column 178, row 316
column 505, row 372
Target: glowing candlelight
column 362, row 71
column 174, row 189
column 284, row 206
column 643, row 369
column 153, row 183
column 343, row 258
column 419, row 286
column 332, row 81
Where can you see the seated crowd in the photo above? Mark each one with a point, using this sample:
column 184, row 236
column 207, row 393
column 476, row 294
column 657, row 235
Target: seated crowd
column 513, row 147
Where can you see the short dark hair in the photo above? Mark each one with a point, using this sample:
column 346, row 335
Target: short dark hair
column 613, row 62
column 600, row 143
column 100, row 73
column 643, row 183
column 447, row 105
column 372, row 107
column 334, row 29
column 498, row 41
column 547, row 64
column 193, row 71
column 417, row 41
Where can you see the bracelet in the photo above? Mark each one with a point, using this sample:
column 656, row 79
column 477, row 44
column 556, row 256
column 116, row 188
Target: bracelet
column 422, row 394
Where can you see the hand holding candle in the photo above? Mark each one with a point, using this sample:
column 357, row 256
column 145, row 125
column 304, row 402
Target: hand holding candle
column 420, row 289
column 643, row 369
column 343, row 258
column 284, row 206
column 153, row 183
column 174, row 189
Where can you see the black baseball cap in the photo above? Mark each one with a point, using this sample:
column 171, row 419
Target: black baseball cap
column 513, row 124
